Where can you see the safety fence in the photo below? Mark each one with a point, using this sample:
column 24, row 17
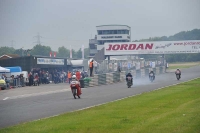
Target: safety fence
column 106, row 66
column 17, row 82
column 114, row 77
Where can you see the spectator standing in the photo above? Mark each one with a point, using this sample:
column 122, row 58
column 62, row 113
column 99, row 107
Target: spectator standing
column 91, row 65
column 69, row 76
column 30, row 79
column 78, row 75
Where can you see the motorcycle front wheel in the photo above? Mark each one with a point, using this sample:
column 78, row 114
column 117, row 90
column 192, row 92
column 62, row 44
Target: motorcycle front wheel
column 74, row 93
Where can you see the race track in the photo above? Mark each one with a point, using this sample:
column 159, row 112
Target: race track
column 31, row 103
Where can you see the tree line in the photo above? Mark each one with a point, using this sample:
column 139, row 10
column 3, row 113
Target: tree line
column 41, row 50
column 184, row 35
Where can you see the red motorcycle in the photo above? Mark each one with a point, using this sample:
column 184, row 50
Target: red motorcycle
column 76, row 89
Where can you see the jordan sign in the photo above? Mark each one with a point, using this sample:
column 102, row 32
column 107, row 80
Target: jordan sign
column 162, row 47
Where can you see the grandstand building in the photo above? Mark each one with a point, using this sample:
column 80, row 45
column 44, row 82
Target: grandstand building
column 106, row 34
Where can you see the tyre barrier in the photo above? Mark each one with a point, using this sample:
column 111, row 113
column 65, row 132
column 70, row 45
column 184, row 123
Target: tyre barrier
column 114, row 77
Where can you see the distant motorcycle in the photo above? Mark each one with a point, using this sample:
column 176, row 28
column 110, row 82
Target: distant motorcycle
column 178, row 75
column 151, row 77
column 36, row 82
column 129, row 82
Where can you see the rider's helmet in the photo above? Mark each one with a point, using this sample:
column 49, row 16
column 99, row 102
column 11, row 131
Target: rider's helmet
column 74, row 77
column 177, row 68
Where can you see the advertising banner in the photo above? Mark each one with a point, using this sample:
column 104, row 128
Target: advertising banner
column 49, row 61
column 159, row 47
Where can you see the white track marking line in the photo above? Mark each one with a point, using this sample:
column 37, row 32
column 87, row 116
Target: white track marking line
column 36, row 94
column 6, row 98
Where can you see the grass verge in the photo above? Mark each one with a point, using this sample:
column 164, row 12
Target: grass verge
column 170, row 110
column 183, row 65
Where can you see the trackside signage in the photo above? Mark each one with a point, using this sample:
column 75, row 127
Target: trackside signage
column 162, row 47
column 49, row 61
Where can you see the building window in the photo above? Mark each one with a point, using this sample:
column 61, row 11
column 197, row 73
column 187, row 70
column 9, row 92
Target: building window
column 99, row 32
column 118, row 31
column 93, row 46
column 127, row 32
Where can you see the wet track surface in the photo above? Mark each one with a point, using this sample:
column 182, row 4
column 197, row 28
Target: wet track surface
column 32, row 103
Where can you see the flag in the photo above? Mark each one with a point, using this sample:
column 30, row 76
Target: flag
column 50, row 54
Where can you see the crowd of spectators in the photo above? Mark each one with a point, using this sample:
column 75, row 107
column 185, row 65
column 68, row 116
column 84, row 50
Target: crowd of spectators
column 37, row 77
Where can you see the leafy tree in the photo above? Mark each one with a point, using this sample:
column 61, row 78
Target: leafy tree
column 19, row 52
column 7, row 50
column 63, row 52
column 41, row 50
column 79, row 54
column 86, row 52
column 74, row 54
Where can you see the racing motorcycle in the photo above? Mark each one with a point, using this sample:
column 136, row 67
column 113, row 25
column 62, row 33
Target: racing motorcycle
column 151, row 77
column 129, row 83
column 178, row 76
column 36, row 82
column 74, row 88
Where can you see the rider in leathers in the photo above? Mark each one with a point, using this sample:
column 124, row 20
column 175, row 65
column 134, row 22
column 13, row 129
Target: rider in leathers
column 178, row 71
column 77, row 84
column 151, row 72
column 129, row 75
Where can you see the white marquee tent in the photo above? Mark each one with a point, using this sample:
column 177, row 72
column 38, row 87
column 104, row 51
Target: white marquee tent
column 4, row 70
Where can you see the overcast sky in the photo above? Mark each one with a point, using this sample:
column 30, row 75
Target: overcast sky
column 73, row 22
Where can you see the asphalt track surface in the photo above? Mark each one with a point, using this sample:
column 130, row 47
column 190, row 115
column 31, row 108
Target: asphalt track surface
column 32, row 103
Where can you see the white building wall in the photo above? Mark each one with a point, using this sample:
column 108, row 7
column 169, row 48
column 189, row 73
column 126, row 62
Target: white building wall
column 113, row 37
column 113, row 27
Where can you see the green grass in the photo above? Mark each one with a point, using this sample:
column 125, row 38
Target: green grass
column 180, row 67
column 183, row 65
column 174, row 109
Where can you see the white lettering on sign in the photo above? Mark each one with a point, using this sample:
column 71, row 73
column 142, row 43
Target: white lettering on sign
column 49, row 61
column 129, row 47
